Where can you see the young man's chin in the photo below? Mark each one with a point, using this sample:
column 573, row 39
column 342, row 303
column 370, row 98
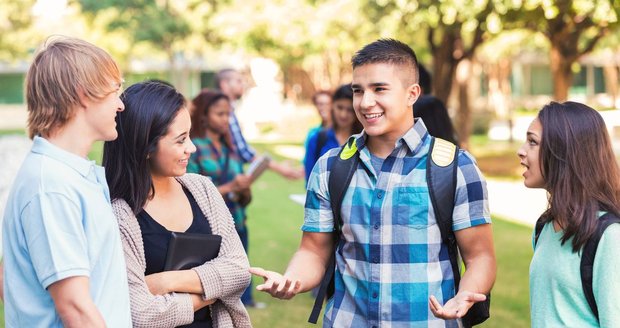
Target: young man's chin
column 111, row 136
column 373, row 131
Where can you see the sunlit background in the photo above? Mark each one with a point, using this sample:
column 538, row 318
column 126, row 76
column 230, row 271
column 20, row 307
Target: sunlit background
column 494, row 62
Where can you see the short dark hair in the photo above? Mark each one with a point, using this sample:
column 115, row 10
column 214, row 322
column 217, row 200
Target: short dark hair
column 150, row 108
column 388, row 51
column 223, row 75
column 426, row 81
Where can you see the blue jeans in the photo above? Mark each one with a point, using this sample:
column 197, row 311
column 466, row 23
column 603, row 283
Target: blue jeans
column 246, row 298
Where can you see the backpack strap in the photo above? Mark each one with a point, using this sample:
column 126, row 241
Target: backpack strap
column 320, row 143
column 341, row 172
column 441, row 168
column 587, row 258
column 540, row 224
column 441, row 171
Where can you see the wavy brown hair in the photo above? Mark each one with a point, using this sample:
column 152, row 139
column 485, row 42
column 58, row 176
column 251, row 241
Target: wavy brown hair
column 579, row 168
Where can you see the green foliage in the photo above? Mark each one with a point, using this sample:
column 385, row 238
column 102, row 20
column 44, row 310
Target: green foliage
column 151, row 21
column 15, row 27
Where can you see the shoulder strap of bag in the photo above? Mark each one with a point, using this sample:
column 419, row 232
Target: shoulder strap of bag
column 441, row 168
column 320, row 143
column 441, row 171
column 341, row 171
column 540, row 224
column 587, row 259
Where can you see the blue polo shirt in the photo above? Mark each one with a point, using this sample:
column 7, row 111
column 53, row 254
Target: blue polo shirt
column 391, row 257
column 59, row 224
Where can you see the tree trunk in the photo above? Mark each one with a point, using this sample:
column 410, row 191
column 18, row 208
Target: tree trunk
column 463, row 116
column 444, row 68
column 561, row 72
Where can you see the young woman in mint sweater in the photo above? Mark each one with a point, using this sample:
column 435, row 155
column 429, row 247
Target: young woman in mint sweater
column 568, row 152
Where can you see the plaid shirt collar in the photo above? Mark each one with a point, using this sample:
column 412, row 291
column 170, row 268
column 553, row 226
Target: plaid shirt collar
column 413, row 139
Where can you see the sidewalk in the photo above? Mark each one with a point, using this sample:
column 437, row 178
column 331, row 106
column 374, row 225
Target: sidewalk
column 513, row 201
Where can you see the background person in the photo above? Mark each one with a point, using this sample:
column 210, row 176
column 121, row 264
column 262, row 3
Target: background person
column 152, row 197
column 344, row 125
column 216, row 157
column 230, row 82
column 568, row 153
column 435, row 116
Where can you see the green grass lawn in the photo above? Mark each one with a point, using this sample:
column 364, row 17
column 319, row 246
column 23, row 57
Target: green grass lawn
column 274, row 221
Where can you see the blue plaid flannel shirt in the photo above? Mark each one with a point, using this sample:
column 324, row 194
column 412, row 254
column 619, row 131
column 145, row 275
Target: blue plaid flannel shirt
column 391, row 258
column 243, row 149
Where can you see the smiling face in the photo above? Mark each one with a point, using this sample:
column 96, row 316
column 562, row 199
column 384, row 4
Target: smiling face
column 174, row 148
column 382, row 100
column 529, row 154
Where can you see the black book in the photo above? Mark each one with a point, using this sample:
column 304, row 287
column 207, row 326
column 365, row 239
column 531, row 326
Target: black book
column 189, row 250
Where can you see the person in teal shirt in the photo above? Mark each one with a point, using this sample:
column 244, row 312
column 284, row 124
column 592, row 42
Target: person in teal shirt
column 217, row 158
column 568, row 152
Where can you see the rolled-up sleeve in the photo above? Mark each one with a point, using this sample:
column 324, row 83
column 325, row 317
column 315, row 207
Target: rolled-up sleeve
column 471, row 204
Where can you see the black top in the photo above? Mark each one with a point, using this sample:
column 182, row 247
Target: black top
column 156, row 239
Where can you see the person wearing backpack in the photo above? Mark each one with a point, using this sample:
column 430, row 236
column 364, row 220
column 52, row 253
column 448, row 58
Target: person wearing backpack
column 392, row 266
column 574, row 271
column 344, row 124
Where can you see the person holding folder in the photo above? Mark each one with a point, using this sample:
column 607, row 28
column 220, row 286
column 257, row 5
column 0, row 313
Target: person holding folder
column 217, row 158
column 153, row 197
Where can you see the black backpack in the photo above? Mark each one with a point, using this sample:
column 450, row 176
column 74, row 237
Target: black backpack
column 441, row 172
column 320, row 143
column 586, row 265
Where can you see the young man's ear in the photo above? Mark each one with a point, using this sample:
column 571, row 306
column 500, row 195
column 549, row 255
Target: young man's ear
column 413, row 93
column 84, row 99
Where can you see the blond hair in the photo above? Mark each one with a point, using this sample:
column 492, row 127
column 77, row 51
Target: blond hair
column 63, row 69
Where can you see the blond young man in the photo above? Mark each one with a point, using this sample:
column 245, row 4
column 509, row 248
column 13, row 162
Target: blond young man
column 63, row 259
column 392, row 268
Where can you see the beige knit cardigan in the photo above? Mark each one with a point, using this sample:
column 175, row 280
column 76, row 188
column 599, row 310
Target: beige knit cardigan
column 223, row 278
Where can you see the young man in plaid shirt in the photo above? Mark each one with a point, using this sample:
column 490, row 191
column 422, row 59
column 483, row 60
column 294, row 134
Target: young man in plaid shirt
column 392, row 268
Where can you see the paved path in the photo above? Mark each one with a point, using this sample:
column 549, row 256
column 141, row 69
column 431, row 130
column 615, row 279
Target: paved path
column 513, row 201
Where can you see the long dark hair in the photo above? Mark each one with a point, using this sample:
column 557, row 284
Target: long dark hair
column 579, row 169
column 150, row 108
column 435, row 116
column 345, row 92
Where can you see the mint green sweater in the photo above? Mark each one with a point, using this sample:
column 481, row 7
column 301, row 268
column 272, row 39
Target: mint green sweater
column 556, row 295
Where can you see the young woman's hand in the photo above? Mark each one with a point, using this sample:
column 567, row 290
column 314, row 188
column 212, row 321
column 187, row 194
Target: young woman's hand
column 160, row 283
column 457, row 306
column 277, row 285
column 199, row 303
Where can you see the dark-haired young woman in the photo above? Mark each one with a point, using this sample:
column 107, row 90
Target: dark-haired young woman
column 216, row 158
column 568, row 152
column 344, row 124
column 152, row 196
